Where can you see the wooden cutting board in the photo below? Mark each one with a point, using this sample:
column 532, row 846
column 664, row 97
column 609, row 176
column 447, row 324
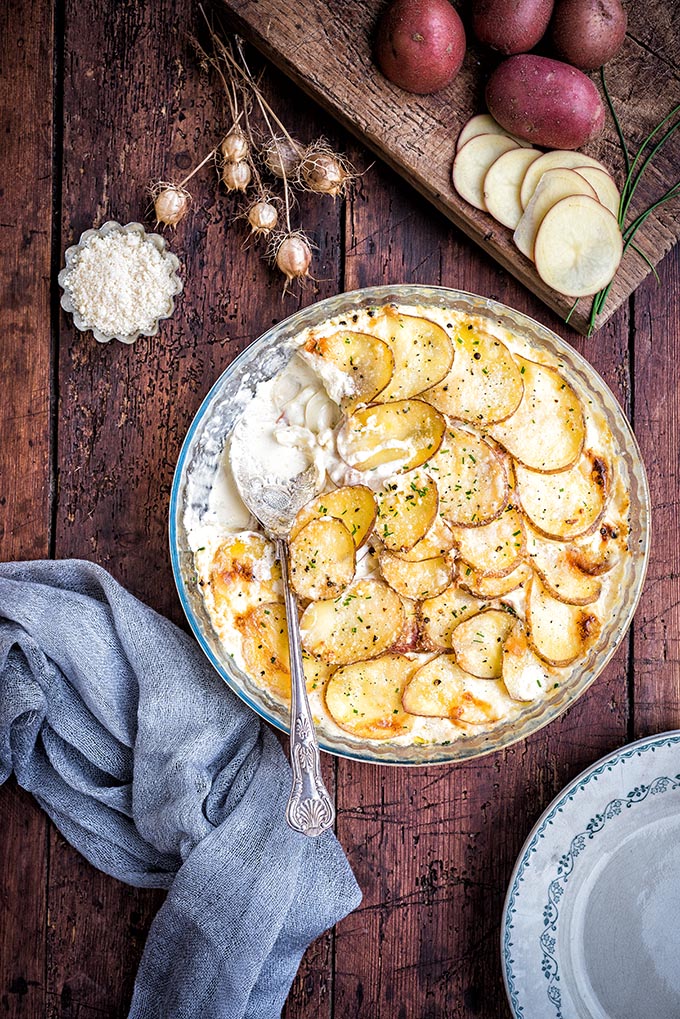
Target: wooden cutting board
column 325, row 47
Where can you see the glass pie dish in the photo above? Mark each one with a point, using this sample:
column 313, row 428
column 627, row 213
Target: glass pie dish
column 201, row 457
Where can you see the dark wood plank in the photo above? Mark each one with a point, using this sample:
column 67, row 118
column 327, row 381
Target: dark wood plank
column 124, row 411
column 657, row 623
column 433, row 849
column 327, row 50
column 26, row 66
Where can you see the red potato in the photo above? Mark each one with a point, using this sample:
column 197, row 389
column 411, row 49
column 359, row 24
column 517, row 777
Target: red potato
column 511, row 26
column 588, row 33
column 545, row 102
column 420, row 44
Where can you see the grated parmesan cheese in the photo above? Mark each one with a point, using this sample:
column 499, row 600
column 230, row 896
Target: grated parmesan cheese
column 120, row 283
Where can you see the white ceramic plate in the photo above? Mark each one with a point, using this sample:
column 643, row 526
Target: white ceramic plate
column 591, row 924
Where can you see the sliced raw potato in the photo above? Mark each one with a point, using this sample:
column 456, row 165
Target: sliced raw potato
column 547, row 430
column 578, row 247
column 495, row 549
column 558, row 632
column 503, row 185
column 561, row 577
column 365, row 698
column 441, row 689
column 478, row 642
column 422, row 354
column 407, row 508
column 436, row 542
column 354, row 367
column 484, row 384
column 472, row 164
column 322, row 559
column 354, row 505
column 244, row 572
column 568, row 159
column 404, row 433
column 424, row 579
column 605, row 188
column 489, row 588
column 567, row 504
column 471, row 479
column 484, row 123
column 439, row 617
column 553, row 186
column 524, row 675
column 362, row 622
column 264, row 634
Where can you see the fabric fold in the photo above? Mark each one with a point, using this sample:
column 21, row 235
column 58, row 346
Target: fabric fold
column 153, row 769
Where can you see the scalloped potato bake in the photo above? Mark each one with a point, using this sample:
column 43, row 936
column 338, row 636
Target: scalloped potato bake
column 467, row 541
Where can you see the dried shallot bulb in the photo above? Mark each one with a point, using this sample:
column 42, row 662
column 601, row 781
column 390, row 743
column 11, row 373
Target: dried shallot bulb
column 263, row 217
column 236, row 176
column 325, row 172
column 293, row 256
column 234, row 147
column 170, row 202
column 282, row 156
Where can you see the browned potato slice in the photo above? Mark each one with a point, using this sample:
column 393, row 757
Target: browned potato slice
column 441, row 689
column 525, row 677
column 484, row 384
column 409, row 638
column 594, row 561
column 361, row 623
column 265, row 647
column 407, row 508
column 495, row 549
column 365, row 698
column 436, row 542
column 422, row 354
column 322, row 559
column 547, row 430
column 478, row 642
column 439, row 617
column 567, row 504
column 405, row 432
column 354, row 367
column 424, row 579
column 353, row 505
column 561, row 577
column 244, row 572
column 559, row 633
column 489, row 588
column 265, row 651
column 471, row 479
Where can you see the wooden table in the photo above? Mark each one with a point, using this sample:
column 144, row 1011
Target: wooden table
column 99, row 98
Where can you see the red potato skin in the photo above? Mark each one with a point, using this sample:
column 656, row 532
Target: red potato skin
column 511, row 26
column 545, row 102
column 420, row 44
column 588, row 33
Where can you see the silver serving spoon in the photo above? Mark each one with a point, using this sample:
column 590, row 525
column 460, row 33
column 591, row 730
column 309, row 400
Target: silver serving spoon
column 310, row 809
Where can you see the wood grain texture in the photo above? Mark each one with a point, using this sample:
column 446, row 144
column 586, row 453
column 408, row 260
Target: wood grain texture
column 656, row 416
column 326, row 48
column 26, row 65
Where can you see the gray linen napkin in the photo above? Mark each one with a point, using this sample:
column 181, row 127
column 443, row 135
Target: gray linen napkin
column 160, row 776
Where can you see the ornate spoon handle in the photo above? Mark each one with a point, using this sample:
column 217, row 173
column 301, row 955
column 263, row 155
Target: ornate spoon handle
column 310, row 809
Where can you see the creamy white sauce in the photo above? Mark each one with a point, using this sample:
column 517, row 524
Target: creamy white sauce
column 291, row 421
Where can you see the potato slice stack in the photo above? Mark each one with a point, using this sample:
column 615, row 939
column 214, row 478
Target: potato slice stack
column 406, row 591
column 561, row 205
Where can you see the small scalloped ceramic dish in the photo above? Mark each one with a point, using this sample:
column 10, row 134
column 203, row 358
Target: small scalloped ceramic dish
column 590, row 924
column 159, row 244
column 201, row 459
